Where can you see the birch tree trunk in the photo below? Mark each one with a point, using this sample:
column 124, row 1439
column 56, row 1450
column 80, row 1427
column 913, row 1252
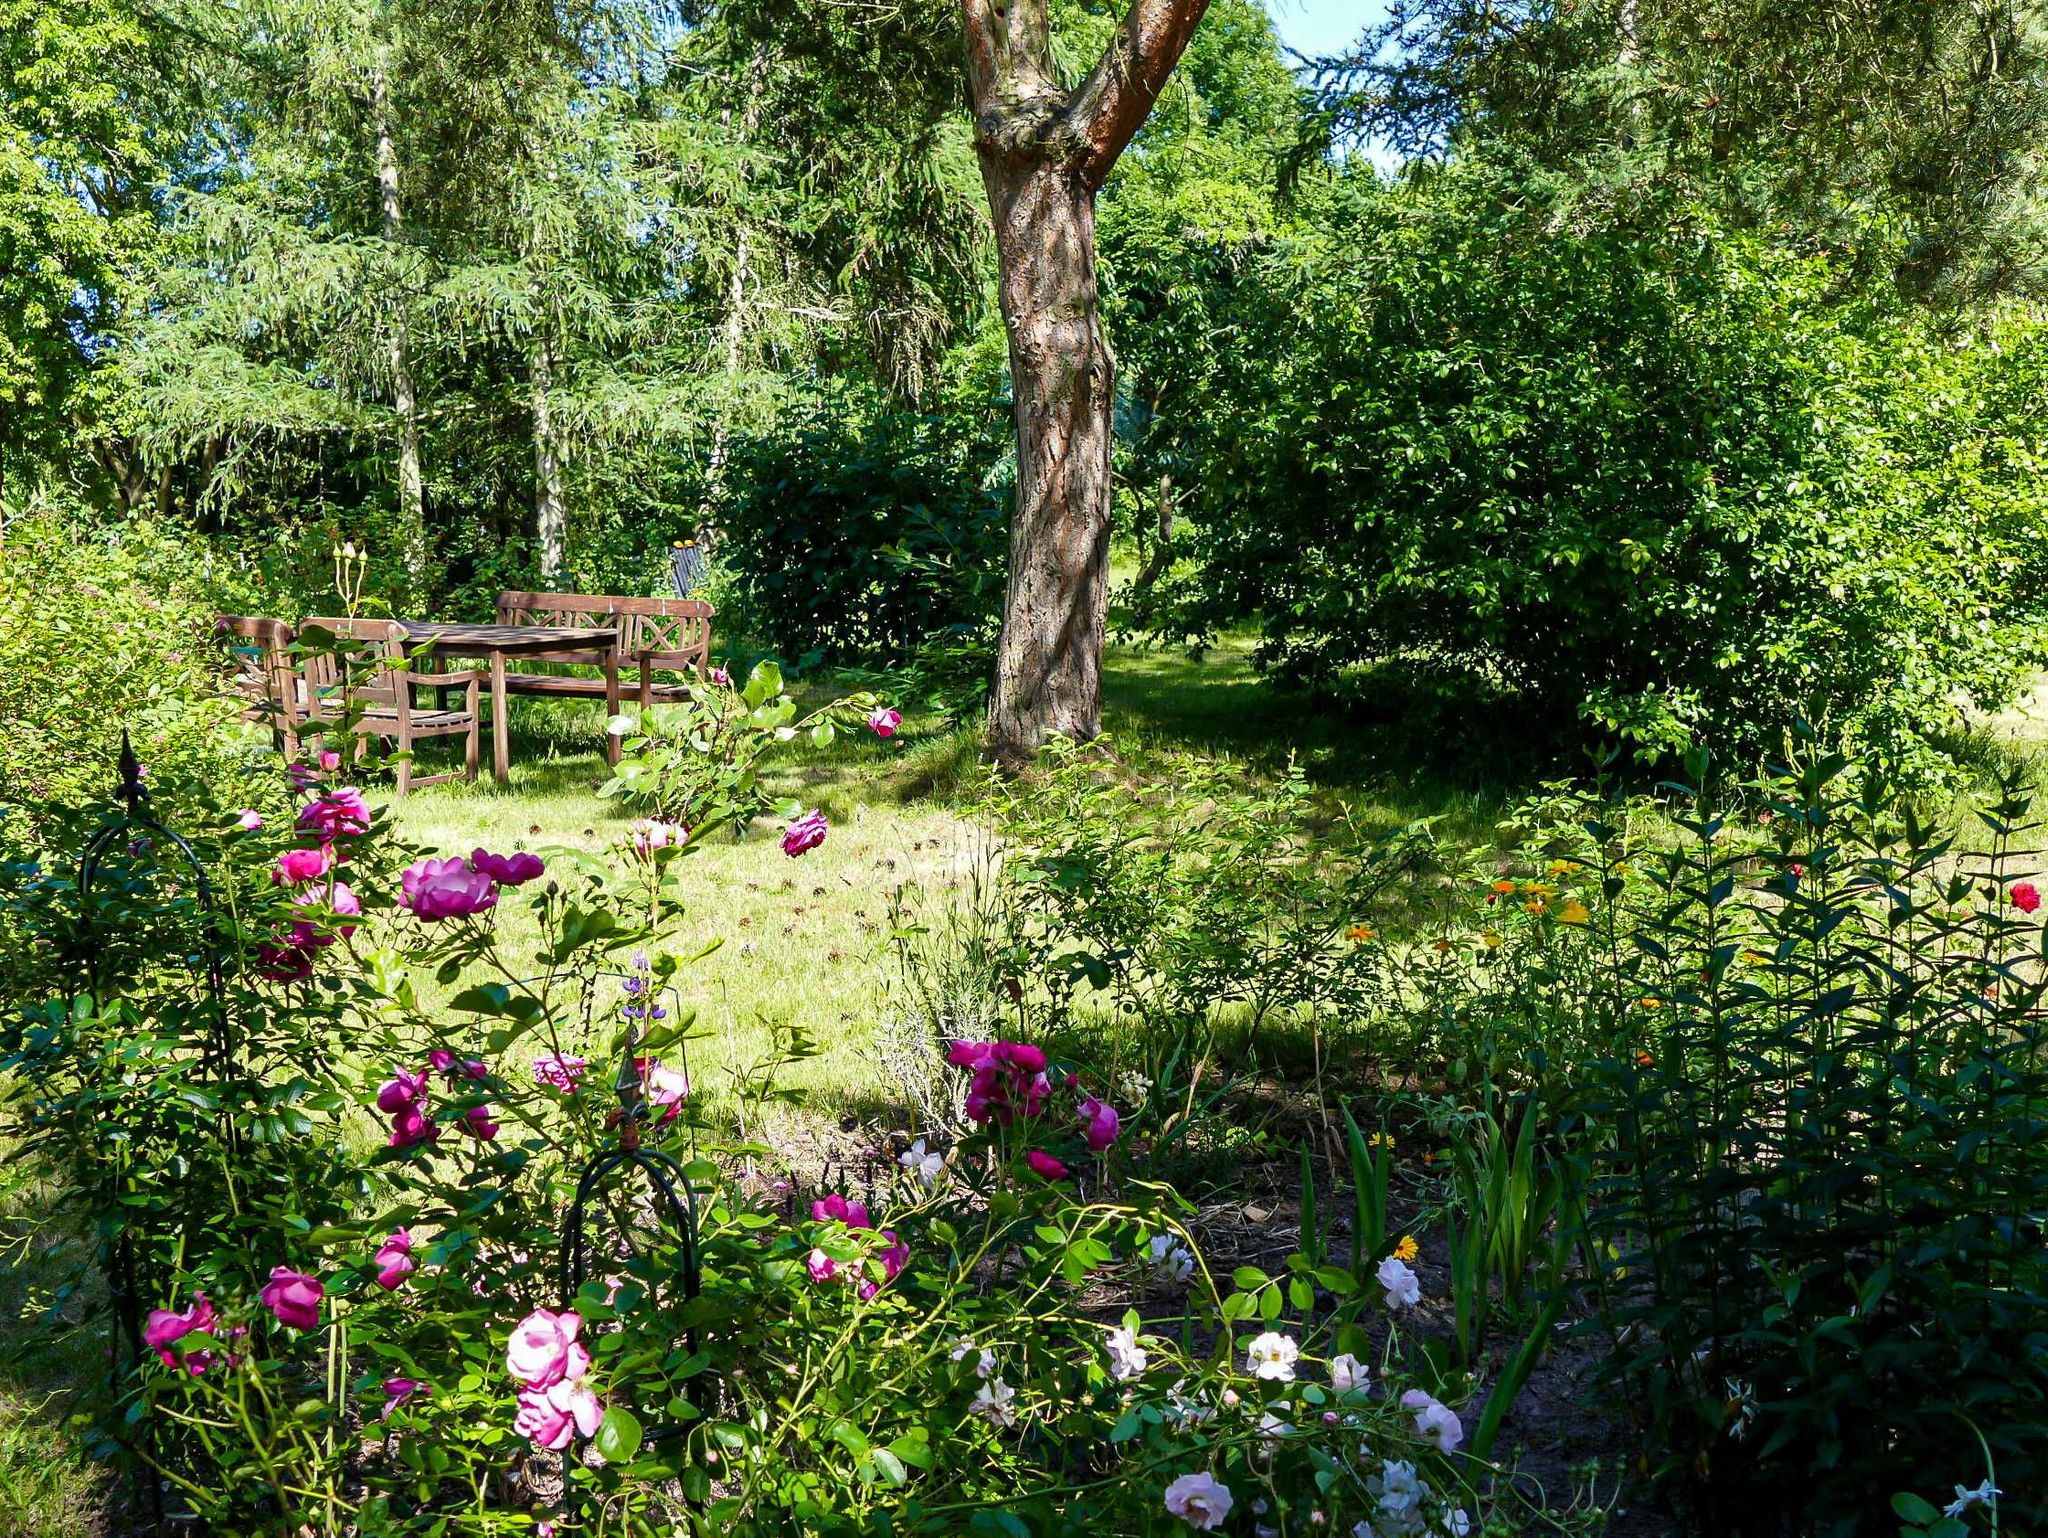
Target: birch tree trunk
column 412, row 511
column 1045, row 153
column 550, row 510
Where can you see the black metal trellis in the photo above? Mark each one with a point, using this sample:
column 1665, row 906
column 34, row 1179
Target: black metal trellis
column 143, row 831
column 670, row 1184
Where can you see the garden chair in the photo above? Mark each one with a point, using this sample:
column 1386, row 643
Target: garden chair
column 385, row 696
column 265, row 675
column 665, row 634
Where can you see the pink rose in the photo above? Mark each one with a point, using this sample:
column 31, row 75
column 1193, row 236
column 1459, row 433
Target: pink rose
column 805, row 834
column 250, row 820
column 506, row 869
column 893, row 1258
column 394, row 1260
column 397, row 1391
column 544, row 1347
column 837, row 1209
column 294, row 1298
column 549, row 1415
column 1045, row 1165
column 2025, row 896
column 338, row 899
column 409, row 1125
column 651, row 833
column 1101, row 1124
column 330, row 761
column 284, row 963
column 336, row 814
column 165, row 1327
column 445, row 889
column 823, row 1267
column 662, row 1086
column 402, row 1090
column 559, row 1071
column 720, row 677
column 885, row 721
column 481, row 1126
column 295, row 867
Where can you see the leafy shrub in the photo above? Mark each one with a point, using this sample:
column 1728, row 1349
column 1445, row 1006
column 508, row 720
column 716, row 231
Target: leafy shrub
column 858, row 532
column 1670, row 484
column 104, row 627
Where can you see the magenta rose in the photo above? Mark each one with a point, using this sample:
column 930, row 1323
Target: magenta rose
column 507, row 869
column 397, row 1391
column 1100, row 1124
column 338, row 899
column 1045, row 1165
column 406, row 1089
column 805, row 834
column 337, row 814
column 394, row 1260
column 445, row 889
column 885, row 721
column 893, row 1258
column 295, row 867
column 294, row 1298
column 481, row 1127
column 560, row 1071
column 837, row 1209
column 165, row 1327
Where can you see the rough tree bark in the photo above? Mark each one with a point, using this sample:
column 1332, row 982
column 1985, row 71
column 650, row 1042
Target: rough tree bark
column 1045, row 153
column 550, row 510
column 412, row 509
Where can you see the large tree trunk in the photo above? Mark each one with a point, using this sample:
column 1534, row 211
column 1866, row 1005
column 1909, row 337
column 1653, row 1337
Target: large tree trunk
column 1045, row 152
column 550, row 508
column 1049, row 662
column 412, row 508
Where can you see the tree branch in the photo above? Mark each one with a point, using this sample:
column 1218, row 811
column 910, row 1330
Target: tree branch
column 1009, row 70
column 1114, row 101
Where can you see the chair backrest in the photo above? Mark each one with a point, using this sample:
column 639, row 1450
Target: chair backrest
column 260, row 650
column 675, row 630
column 378, row 641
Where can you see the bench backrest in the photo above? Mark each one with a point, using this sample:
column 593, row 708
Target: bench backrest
column 674, row 632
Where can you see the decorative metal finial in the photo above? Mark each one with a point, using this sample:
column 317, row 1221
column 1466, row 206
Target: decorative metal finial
column 133, row 791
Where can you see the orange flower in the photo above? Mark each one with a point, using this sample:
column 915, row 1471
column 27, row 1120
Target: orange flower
column 1652, row 1003
column 1643, row 1059
column 1535, row 905
column 1407, row 1249
column 1360, row 934
column 1440, row 946
column 1502, row 888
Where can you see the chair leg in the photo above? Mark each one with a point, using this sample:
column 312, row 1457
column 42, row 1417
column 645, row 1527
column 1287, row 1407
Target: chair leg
column 472, row 742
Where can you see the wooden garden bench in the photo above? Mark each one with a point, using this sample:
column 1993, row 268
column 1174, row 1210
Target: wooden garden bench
column 385, row 696
column 670, row 634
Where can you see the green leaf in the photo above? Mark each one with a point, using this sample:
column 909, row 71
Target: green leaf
column 1912, row 1508
column 618, row 1436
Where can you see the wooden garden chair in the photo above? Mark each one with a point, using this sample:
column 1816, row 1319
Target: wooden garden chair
column 655, row 634
column 384, row 696
column 268, row 680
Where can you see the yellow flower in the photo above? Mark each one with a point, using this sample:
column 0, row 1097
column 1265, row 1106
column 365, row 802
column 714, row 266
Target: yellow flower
column 1359, row 934
column 1492, row 939
column 1380, row 1140
column 1407, row 1249
column 1756, row 956
column 1540, row 888
column 1564, row 867
column 1535, row 905
column 1574, row 912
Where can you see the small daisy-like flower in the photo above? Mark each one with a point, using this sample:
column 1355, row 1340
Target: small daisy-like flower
column 1574, row 912
column 1360, row 934
column 1407, row 1249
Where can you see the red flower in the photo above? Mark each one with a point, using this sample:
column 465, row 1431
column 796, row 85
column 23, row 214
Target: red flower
column 2026, row 896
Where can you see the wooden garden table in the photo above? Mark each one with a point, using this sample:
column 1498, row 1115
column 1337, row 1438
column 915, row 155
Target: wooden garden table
column 497, row 642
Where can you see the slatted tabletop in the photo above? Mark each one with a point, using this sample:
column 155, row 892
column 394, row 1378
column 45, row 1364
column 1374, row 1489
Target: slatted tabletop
column 447, row 639
column 557, row 643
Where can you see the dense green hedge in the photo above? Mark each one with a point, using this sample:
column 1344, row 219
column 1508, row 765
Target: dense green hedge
column 858, row 532
column 1660, row 483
